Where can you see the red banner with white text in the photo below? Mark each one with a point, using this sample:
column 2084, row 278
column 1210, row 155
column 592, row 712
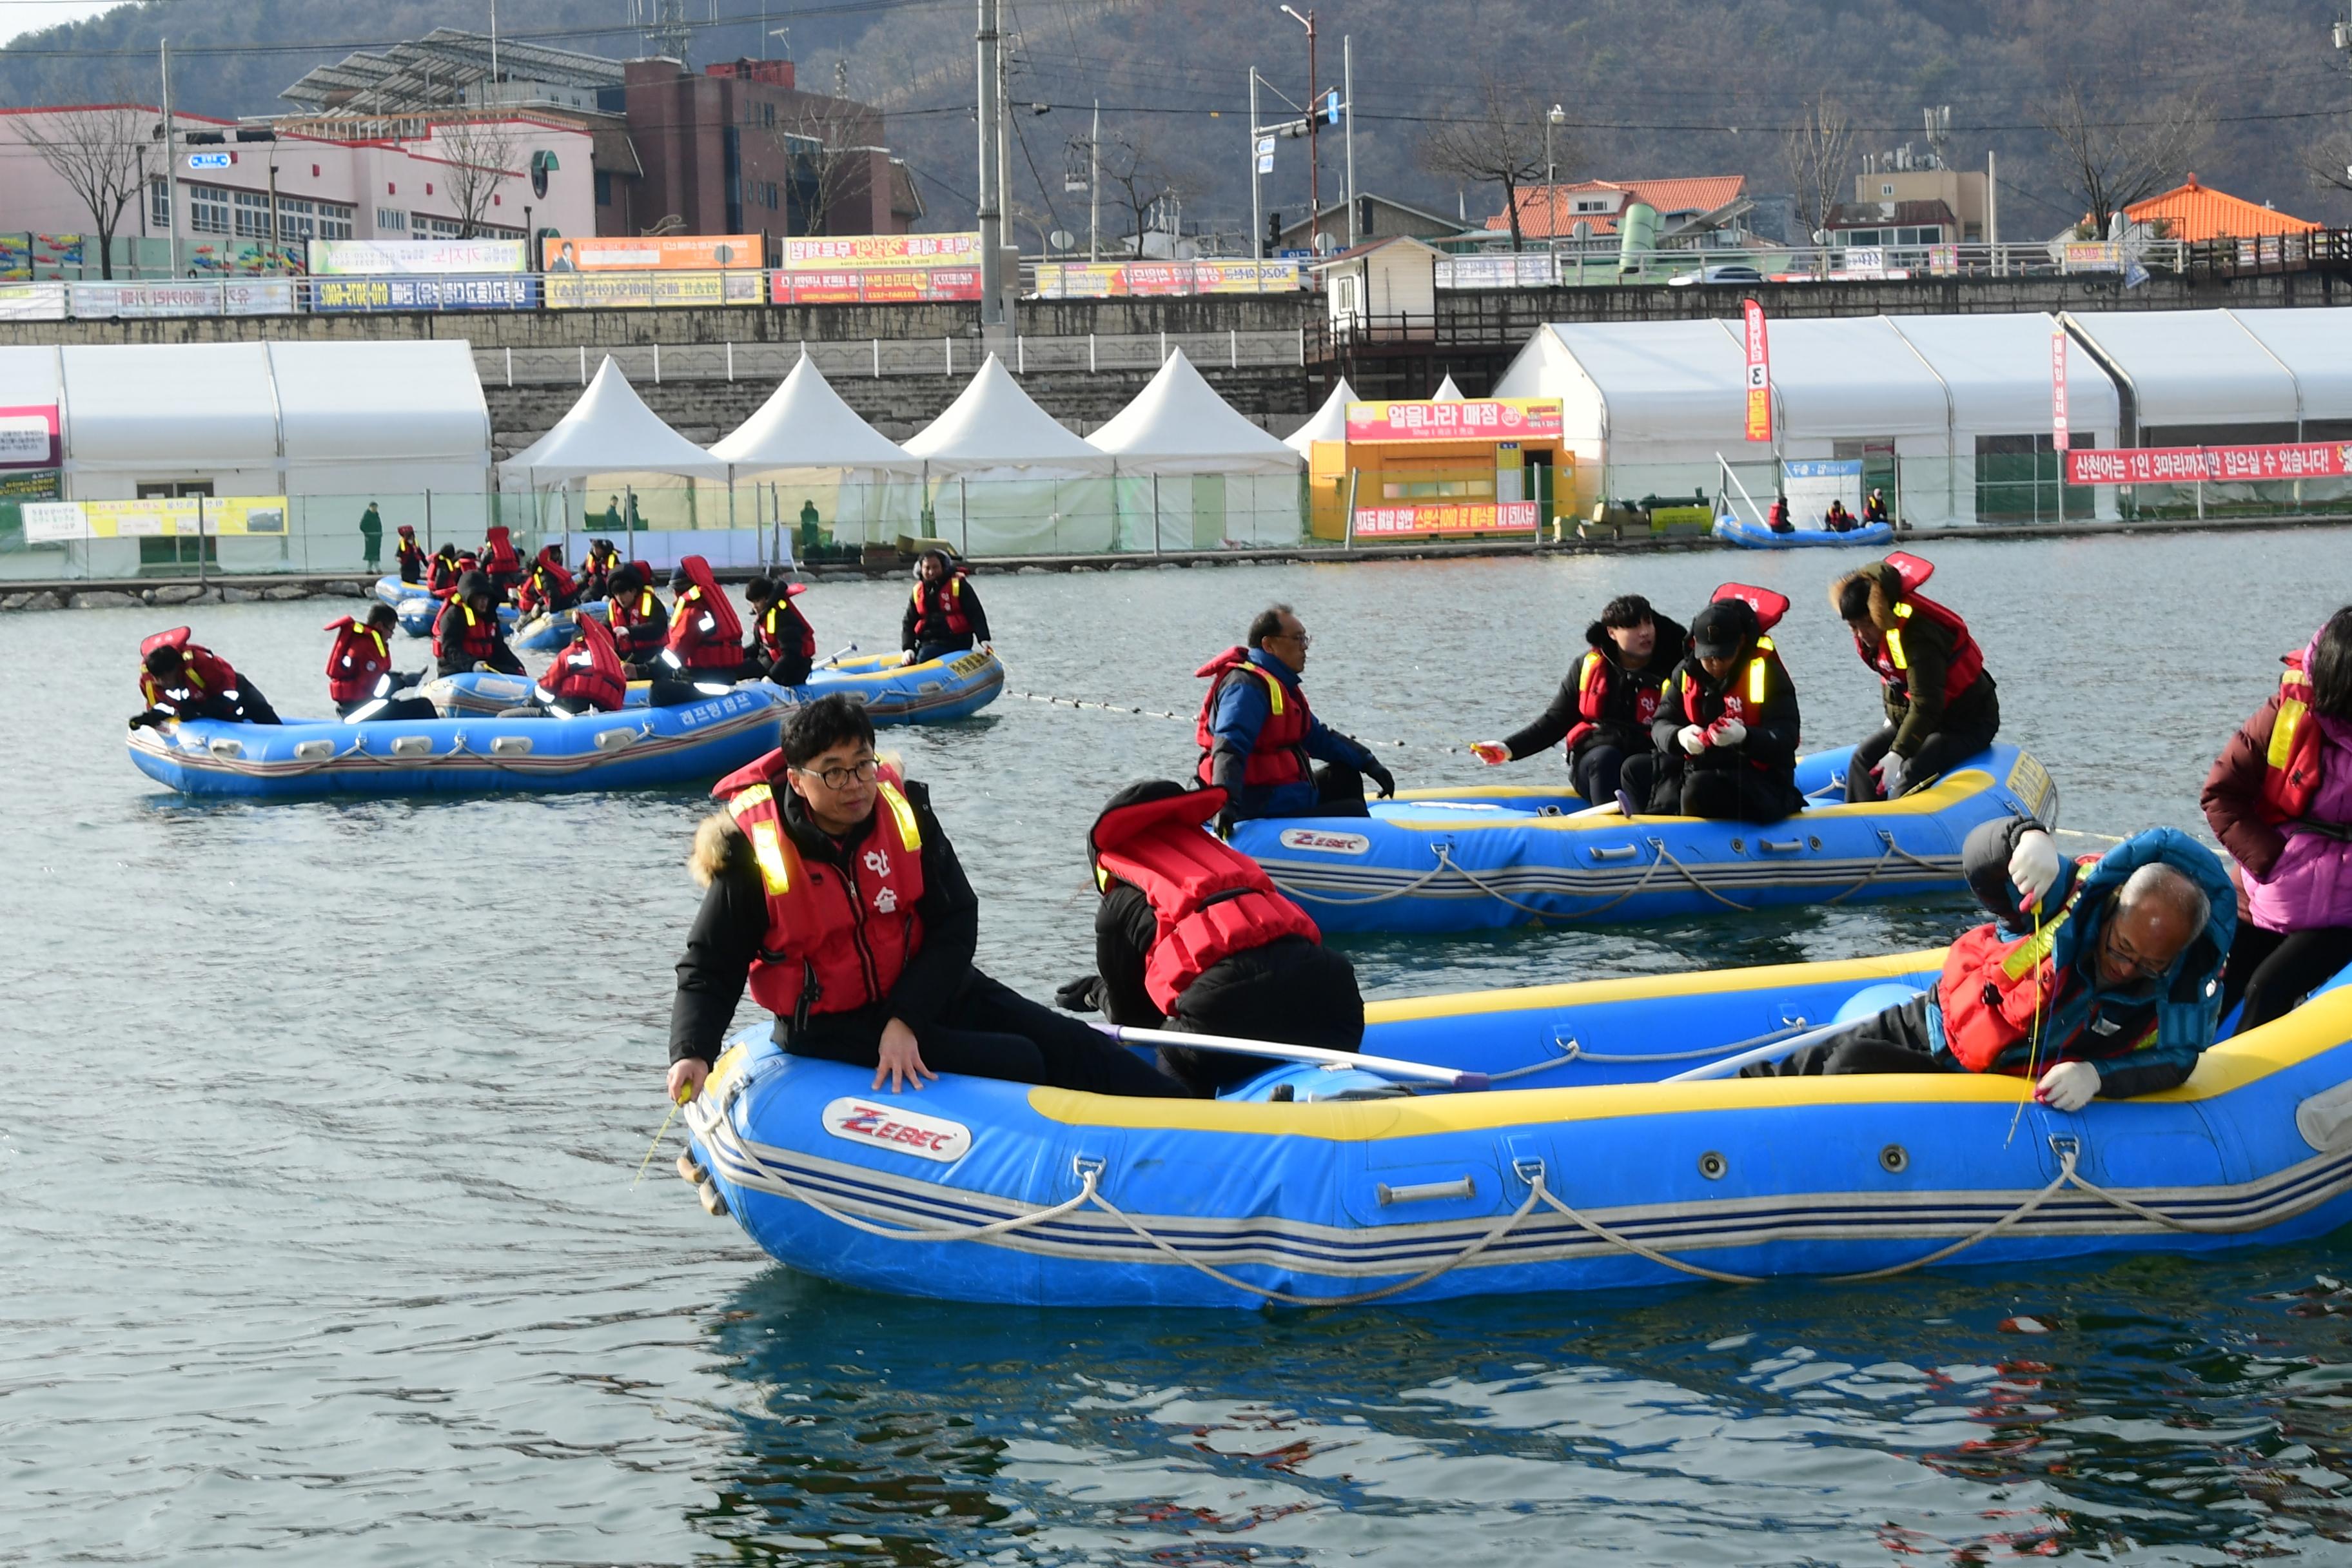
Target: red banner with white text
column 2209, row 465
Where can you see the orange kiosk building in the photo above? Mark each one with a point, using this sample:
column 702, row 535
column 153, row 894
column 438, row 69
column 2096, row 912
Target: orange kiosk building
column 1483, row 467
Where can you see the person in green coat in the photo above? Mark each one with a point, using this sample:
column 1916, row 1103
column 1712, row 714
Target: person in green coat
column 372, row 534
column 811, row 528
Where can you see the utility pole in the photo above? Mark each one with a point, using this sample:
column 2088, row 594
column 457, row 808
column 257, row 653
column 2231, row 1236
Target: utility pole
column 1004, row 157
column 1258, row 202
column 1348, row 87
column 1094, row 187
column 170, row 166
column 992, row 216
column 1314, row 113
column 494, row 51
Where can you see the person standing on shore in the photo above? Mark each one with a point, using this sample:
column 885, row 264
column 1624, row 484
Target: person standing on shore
column 372, row 534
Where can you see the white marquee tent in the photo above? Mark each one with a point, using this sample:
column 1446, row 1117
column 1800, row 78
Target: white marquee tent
column 806, row 449
column 611, row 434
column 1203, row 474
column 1328, row 423
column 1003, row 476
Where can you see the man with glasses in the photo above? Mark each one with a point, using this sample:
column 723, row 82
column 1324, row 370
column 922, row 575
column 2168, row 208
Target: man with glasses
column 2101, row 976
column 1259, row 742
column 831, row 891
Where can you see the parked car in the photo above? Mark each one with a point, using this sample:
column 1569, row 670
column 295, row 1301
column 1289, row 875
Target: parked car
column 1729, row 274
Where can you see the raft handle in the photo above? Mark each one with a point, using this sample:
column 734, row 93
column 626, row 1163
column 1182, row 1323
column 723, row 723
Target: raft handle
column 1418, row 1192
column 1614, row 852
column 313, row 750
column 230, row 750
column 411, row 746
column 1780, row 845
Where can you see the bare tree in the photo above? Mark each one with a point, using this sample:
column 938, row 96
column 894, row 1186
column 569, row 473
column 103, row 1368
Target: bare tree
column 2115, row 147
column 819, row 137
column 101, row 154
column 2329, row 161
column 1497, row 142
column 1140, row 180
column 480, row 154
column 1819, row 153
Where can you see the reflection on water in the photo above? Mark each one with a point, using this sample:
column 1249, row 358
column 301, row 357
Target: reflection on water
column 318, row 1236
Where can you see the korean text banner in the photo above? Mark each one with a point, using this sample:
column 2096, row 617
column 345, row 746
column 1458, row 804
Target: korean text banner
column 512, row 292
column 28, row 437
column 72, row 522
column 2211, row 465
column 140, row 302
column 370, row 257
column 875, row 286
column 1447, row 519
column 653, row 253
column 837, row 252
column 1114, row 280
column 32, row 302
column 646, row 291
column 1479, row 419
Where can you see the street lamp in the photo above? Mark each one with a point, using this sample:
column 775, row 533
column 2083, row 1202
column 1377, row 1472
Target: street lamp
column 1558, row 116
column 1313, row 163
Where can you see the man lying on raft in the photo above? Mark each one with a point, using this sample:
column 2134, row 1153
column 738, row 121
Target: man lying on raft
column 2101, row 977
column 181, row 680
column 1259, row 742
column 830, row 887
column 1192, row 935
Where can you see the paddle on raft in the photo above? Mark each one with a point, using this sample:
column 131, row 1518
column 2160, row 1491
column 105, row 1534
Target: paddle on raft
column 1774, row 1052
column 829, row 663
column 1387, row 1067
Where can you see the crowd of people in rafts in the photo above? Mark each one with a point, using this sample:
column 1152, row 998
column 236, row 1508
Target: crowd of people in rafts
column 2099, row 976
column 691, row 648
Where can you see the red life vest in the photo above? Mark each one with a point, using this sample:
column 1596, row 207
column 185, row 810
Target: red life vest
column 588, row 674
column 1596, row 684
column 941, row 607
column 603, row 561
column 1211, row 901
column 499, row 555
column 549, row 583
column 358, row 662
column 704, row 630
column 202, row 673
column 1886, row 656
column 1280, row 755
column 2292, row 770
column 477, row 636
column 411, row 557
column 783, row 629
column 833, row 945
column 441, row 575
column 638, row 620
column 1996, row 990
column 1741, row 699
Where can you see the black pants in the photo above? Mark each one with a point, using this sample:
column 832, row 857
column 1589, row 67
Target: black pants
column 1736, row 793
column 1596, row 771
column 373, row 710
column 1339, row 792
column 249, row 706
column 2274, row 970
column 990, row 1030
column 1896, row 1040
column 1936, row 756
column 1292, row 992
column 790, row 669
column 927, row 651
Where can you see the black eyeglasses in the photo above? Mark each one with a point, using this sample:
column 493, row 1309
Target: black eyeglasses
column 838, row 778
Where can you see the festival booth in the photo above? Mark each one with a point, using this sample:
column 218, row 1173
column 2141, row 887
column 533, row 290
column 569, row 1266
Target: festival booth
column 1002, row 477
column 2266, row 393
column 816, row 472
column 1469, row 468
column 165, row 459
column 2003, row 465
column 1195, row 474
column 611, row 437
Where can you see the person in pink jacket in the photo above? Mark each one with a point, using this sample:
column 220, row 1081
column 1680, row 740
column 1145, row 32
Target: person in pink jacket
column 2280, row 799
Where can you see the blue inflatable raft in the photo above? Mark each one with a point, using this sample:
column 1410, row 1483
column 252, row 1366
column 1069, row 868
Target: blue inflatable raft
column 1585, row 1164
column 418, row 608
column 1750, row 536
column 1453, row 860
column 395, row 593
column 933, row 692
column 547, row 633
column 638, row 749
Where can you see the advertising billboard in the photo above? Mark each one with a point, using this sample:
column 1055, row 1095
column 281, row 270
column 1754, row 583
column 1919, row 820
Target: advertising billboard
column 875, row 286
column 1447, row 519
column 508, row 291
column 1477, row 420
column 652, row 253
column 841, row 252
column 197, row 296
column 28, row 437
column 647, row 290
column 372, row 258
column 72, row 522
column 1117, row 279
column 2211, row 465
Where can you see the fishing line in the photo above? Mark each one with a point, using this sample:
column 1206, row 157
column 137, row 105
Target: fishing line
column 1187, row 717
column 658, row 1136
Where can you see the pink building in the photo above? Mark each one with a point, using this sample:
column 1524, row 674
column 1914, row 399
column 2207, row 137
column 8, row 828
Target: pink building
column 411, row 177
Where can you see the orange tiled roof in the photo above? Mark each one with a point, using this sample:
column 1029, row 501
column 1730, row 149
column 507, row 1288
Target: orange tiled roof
column 2196, row 211
column 1547, row 210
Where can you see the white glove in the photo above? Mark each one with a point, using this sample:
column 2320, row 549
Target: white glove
column 1729, row 732
column 1693, row 739
column 2033, row 867
column 2069, row 1086
column 1494, row 754
column 1892, row 771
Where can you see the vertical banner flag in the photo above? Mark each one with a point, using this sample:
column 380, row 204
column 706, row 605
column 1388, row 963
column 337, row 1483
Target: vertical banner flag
column 2058, row 389
column 1759, row 374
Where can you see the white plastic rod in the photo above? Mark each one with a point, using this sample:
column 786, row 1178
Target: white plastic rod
column 1729, row 1066
column 1387, row 1067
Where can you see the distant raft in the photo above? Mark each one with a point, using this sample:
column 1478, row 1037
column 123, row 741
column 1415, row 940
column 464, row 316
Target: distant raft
column 1750, row 536
column 547, row 632
column 1586, row 1163
column 1473, row 860
column 639, row 748
column 931, row 693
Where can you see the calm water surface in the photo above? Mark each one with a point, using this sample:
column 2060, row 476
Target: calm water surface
column 317, row 1235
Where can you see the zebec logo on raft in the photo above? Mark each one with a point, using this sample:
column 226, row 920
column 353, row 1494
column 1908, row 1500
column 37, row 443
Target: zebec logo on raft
column 900, row 1131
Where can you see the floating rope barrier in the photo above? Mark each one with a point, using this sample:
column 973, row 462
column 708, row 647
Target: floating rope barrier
column 1053, row 701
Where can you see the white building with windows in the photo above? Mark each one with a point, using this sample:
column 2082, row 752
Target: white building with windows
column 407, row 178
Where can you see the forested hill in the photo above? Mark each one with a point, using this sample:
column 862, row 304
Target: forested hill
column 1647, row 87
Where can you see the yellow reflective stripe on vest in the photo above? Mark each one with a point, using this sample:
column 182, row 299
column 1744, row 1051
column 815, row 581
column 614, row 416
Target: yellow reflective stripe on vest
column 1273, row 687
column 1895, row 641
column 1756, row 680
column 2291, row 711
column 903, row 813
column 2036, row 948
column 1592, row 668
column 767, row 846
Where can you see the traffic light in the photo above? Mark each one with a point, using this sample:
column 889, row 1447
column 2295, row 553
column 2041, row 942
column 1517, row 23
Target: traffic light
column 1272, row 232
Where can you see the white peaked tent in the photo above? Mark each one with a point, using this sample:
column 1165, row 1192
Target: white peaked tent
column 610, row 433
column 1207, row 475
column 1447, row 392
column 1004, row 478
column 1328, row 423
column 805, row 448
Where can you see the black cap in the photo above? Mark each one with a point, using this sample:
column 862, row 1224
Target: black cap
column 678, row 579
column 474, row 584
column 1721, row 629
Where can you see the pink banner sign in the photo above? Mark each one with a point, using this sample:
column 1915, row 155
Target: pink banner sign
column 28, row 436
column 2211, row 465
column 1479, row 419
column 1447, row 518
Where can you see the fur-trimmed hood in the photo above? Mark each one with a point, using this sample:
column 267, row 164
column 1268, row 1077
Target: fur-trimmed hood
column 717, row 841
column 1886, row 590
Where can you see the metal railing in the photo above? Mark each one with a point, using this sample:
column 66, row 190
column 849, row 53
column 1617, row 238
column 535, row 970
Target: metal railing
column 838, row 358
